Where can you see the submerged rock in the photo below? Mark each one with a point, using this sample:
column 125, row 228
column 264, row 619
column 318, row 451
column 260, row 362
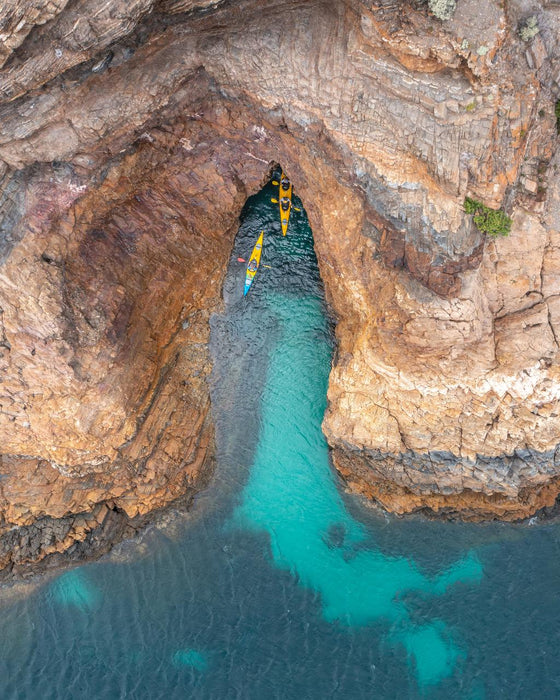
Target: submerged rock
column 130, row 137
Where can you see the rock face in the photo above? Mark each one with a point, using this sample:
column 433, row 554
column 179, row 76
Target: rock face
column 131, row 135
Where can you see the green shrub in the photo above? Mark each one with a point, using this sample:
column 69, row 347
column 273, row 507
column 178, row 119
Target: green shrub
column 494, row 222
column 470, row 106
column 442, row 9
column 557, row 114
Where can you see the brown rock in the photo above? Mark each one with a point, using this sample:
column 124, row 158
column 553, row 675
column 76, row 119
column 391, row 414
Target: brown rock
column 131, row 135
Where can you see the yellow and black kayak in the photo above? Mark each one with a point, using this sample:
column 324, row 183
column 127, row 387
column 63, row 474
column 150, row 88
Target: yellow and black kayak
column 253, row 264
column 284, row 202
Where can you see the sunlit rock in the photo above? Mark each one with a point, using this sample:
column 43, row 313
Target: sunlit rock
column 130, row 137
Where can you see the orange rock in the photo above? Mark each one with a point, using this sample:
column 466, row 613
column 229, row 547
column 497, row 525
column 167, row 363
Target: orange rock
column 122, row 176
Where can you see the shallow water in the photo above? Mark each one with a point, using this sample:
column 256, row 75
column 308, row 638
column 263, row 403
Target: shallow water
column 278, row 584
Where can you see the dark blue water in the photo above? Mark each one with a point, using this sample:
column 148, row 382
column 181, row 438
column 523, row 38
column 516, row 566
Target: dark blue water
column 279, row 585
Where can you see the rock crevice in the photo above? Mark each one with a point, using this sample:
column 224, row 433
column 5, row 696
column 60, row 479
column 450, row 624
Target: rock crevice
column 131, row 135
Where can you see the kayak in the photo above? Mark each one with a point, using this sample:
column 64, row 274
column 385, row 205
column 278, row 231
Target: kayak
column 284, row 202
column 253, row 264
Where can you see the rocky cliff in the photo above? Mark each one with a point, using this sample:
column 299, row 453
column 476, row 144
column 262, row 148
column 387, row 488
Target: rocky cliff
column 131, row 135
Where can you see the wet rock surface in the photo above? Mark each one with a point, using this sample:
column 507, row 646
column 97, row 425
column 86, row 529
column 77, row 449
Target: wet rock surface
column 508, row 487
column 131, row 135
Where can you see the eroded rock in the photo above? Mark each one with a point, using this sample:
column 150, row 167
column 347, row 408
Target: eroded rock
column 130, row 137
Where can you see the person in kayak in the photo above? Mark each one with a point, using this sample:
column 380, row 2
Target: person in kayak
column 252, row 265
column 285, row 203
column 285, row 183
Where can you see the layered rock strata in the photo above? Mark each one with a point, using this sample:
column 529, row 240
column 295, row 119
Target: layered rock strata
column 130, row 137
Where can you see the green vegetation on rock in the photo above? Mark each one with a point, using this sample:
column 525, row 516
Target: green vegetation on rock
column 494, row 222
column 442, row 9
column 529, row 29
column 557, row 113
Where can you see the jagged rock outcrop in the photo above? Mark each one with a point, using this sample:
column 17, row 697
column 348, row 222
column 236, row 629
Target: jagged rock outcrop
column 131, row 135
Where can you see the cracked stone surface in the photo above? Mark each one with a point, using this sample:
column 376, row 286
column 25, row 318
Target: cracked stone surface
column 131, row 135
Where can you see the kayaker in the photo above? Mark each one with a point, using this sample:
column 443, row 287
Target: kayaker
column 252, row 265
column 285, row 203
column 285, row 183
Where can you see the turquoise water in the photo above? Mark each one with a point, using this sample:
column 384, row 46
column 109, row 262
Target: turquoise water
column 278, row 584
column 292, row 496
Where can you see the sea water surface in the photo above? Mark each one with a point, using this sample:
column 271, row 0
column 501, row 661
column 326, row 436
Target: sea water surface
column 278, row 584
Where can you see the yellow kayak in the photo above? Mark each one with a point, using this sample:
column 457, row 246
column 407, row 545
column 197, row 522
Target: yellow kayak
column 253, row 264
column 284, row 202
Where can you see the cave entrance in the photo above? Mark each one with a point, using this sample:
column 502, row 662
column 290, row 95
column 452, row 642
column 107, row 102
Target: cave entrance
column 288, row 264
column 284, row 312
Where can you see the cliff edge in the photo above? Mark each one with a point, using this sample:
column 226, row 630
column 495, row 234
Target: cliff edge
column 131, row 135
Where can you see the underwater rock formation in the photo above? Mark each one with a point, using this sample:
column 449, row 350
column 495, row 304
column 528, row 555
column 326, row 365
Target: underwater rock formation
column 131, row 135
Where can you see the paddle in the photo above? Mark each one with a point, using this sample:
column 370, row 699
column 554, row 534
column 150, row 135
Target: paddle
column 243, row 260
column 275, row 201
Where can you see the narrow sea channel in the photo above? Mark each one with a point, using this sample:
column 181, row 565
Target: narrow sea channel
column 278, row 584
